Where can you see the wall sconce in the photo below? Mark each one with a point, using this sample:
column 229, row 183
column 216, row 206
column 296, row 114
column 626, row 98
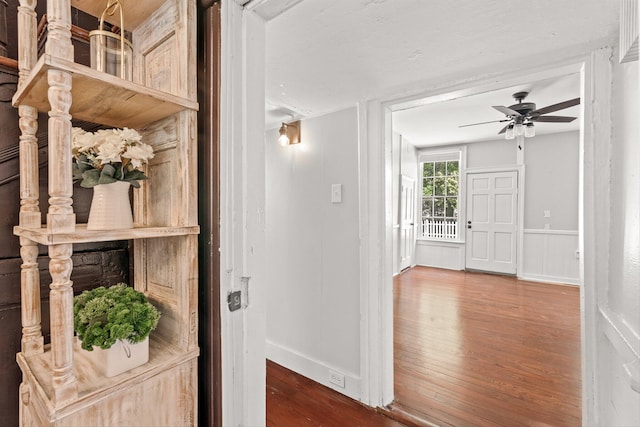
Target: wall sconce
column 289, row 133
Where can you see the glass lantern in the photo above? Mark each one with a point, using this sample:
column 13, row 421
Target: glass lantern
column 111, row 53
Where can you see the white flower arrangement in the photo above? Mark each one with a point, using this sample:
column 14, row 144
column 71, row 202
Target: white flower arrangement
column 108, row 155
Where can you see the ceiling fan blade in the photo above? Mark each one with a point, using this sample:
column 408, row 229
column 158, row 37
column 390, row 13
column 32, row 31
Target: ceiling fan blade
column 503, row 130
column 553, row 119
column 556, row 107
column 506, row 110
column 483, row 123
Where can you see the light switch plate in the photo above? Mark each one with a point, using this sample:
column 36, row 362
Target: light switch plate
column 336, row 193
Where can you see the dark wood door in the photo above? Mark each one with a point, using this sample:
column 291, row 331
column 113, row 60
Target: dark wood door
column 209, row 364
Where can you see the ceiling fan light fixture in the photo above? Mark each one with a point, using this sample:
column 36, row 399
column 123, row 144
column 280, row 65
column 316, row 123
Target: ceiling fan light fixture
column 529, row 130
column 520, row 116
column 510, row 132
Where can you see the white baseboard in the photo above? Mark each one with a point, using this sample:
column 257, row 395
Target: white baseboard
column 550, row 279
column 313, row 369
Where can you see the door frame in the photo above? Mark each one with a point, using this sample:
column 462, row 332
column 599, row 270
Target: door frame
column 520, row 173
column 242, row 222
column 209, row 362
column 376, row 276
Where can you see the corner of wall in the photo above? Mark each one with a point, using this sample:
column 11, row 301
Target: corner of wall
column 313, row 369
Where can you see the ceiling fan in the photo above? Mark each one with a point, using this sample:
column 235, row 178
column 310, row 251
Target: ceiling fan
column 521, row 116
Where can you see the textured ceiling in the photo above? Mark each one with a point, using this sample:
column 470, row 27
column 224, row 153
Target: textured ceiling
column 324, row 55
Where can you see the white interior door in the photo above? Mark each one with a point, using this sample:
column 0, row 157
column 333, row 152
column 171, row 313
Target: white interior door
column 492, row 221
column 407, row 221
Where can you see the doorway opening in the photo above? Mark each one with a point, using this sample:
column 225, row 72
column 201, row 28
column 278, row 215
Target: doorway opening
column 497, row 229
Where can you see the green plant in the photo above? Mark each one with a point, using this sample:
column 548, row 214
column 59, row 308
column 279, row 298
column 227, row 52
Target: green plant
column 102, row 315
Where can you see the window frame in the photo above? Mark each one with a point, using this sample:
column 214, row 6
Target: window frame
column 450, row 153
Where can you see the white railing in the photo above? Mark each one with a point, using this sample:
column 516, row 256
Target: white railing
column 440, row 228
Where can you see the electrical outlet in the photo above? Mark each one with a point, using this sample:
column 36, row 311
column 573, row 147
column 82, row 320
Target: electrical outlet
column 336, row 378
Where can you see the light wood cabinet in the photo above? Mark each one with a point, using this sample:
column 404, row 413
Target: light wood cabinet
column 60, row 387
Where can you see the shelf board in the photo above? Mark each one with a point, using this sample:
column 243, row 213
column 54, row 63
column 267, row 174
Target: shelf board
column 101, row 98
column 92, row 385
column 135, row 11
column 82, row 235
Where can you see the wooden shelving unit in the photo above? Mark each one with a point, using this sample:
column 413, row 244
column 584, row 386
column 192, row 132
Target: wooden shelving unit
column 137, row 11
column 61, row 386
column 82, row 235
column 93, row 388
column 100, row 98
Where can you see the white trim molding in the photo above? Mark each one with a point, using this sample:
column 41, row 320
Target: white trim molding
column 626, row 343
column 594, row 219
column 376, row 226
column 313, row 369
column 628, row 39
column 242, row 204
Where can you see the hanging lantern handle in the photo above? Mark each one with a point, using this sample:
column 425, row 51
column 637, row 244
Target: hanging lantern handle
column 110, row 10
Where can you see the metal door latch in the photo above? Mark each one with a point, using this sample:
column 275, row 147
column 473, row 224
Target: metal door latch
column 234, row 300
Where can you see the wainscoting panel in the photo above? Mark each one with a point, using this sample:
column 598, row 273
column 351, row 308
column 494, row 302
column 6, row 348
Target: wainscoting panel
column 440, row 254
column 551, row 256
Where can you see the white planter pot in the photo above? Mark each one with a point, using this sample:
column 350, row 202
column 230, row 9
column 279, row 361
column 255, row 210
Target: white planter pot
column 110, row 207
column 121, row 357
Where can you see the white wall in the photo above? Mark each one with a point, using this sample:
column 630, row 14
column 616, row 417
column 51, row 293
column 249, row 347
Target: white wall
column 487, row 154
column 313, row 311
column 620, row 300
column 409, row 159
column 552, row 181
column 551, row 184
column 551, row 163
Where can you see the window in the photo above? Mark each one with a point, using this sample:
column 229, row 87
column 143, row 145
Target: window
column 440, row 184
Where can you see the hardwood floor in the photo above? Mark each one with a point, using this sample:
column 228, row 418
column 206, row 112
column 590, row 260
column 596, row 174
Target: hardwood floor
column 296, row 401
column 475, row 349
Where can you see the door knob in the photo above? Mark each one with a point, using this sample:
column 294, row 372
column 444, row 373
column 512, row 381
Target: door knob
column 469, row 222
column 469, row 226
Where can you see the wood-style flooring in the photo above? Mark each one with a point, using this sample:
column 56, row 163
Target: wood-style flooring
column 482, row 350
column 471, row 349
column 296, row 401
